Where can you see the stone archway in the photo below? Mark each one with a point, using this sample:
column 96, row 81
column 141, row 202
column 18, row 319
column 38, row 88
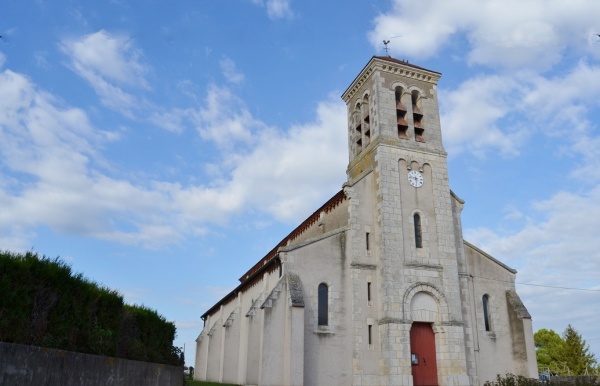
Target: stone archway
column 426, row 307
column 431, row 305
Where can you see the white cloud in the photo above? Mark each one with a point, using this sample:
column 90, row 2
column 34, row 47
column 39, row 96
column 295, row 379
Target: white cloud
column 171, row 120
column 276, row 9
column 225, row 119
column 558, row 247
column 287, row 173
column 53, row 149
column 109, row 63
column 16, row 238
column 112, row 65
column 471, row 113
column 40, row 59
column 37, row 131
column 501, row 112
column 574, row 89
column 64, row 183
column 423, row 27
column 565, row 104
column 564, row 225
column 230, row 71
column 113, row 58
column 511, row 33
column 589, row 167
column 283, row 173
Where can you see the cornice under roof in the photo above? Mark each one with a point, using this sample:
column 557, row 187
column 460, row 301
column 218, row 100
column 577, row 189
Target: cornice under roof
column 419, row 73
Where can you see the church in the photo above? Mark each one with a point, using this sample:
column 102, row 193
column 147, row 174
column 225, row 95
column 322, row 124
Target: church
column 377, row 286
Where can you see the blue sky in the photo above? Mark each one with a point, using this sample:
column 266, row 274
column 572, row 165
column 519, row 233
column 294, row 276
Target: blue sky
column 162, row 148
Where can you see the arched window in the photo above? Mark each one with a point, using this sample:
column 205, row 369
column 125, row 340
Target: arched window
column 486, row 312
column 418, row 234
column 323, row 304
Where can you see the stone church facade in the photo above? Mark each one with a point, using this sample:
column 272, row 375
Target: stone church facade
column 376, row 287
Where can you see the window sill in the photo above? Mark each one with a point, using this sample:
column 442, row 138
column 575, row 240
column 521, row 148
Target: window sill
column 491, row 334
column 324, row 330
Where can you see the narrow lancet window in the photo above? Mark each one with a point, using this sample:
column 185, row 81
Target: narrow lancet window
column 323, row 308
column 418, row 234
column 486, row 312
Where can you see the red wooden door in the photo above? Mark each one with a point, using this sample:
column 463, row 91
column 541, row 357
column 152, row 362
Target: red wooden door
column 422, row 349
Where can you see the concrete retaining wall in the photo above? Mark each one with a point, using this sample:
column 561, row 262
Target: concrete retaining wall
column 31, row 365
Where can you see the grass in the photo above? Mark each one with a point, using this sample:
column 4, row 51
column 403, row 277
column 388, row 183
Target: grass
column 201, row 383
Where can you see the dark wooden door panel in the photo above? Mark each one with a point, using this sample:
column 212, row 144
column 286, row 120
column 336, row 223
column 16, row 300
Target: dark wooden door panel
column 422, row 348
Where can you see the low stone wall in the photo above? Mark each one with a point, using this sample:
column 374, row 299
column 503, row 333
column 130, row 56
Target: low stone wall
column 576, row 380
column 31, row 365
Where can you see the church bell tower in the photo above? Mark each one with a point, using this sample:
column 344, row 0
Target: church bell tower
column 406, row 243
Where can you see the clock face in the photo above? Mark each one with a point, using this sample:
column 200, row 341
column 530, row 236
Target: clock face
column 415, row 178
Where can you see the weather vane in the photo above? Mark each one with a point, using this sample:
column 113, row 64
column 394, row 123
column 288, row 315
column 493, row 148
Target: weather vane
column 385, row 43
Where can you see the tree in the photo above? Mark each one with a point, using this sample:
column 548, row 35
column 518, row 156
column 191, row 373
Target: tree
column 576, row 354
column 566, row 355
column 549, row 351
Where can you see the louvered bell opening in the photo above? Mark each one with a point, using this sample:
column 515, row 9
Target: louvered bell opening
column 416, row 110
column 419, row 134
column 418, row 124
column 400, row 106
column 401, row 121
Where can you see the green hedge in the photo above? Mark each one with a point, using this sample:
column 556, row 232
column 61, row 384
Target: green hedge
column 44, row 303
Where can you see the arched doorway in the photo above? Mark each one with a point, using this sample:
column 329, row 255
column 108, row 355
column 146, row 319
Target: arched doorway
column 422, row 352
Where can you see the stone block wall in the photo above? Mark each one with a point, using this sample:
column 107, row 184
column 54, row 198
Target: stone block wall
column 31, row 365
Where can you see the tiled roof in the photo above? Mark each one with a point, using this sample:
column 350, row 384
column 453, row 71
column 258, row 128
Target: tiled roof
column 270, row 261
column 328, row 206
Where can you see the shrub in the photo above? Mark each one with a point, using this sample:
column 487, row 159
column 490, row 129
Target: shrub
column 518, row 380
column 44, row 304
column 513, row 380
